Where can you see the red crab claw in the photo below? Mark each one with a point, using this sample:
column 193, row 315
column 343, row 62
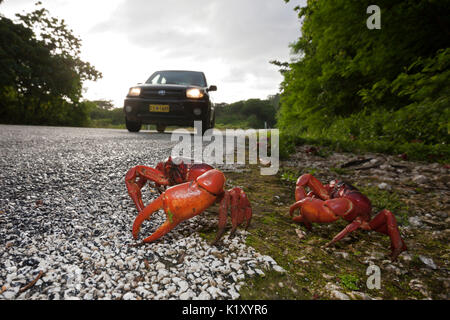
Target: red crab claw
column 182, row 202
column 136, row 178
column 317, row 188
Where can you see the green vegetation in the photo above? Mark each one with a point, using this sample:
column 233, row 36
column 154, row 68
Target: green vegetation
column 384, row 90
column 252, row 113
column 103, row 115
column 382, row 199
column 349, row 281
column 41, row 73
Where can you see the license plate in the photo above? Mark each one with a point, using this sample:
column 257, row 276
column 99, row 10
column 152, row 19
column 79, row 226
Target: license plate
column 159, row 108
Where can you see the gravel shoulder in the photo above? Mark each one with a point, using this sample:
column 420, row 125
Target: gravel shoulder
column 65, row 220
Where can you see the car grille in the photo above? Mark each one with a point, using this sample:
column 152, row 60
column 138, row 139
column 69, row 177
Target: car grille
column 168, row 93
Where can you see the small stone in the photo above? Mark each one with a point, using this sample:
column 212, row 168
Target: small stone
column 277, row 268
column 260, row 272
column 234, row 295
column 9, row 295
column 300, row 233
column 417, row 285
column 129, row 296
column 203, row 296
column 187, row 295
column 420, row 179
column 405, row 256
column 339, row 295
column 361, row 295
column 343, row 255
column 414, row 221
column 428, row 262
column 384, row 186
column 88, row 296
column 183, row 286
column 235, row 266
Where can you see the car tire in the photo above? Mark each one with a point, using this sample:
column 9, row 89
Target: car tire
column 160, row 128
column 132, row 126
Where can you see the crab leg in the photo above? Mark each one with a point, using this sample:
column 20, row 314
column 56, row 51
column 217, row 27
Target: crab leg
column 349, row 228
column 136, row 178
column 240, row 209
column 223, row 213
column 384, row 222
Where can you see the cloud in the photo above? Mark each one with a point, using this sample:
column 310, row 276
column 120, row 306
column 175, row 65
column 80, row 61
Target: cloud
column 242, row 36
column 232, row 41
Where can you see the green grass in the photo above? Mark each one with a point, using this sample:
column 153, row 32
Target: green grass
column 384, row 199
column 350, row 281
column 412, row 151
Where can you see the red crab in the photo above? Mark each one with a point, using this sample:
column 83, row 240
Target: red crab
column 166, row 173
column 341, row 200
column 194, row 188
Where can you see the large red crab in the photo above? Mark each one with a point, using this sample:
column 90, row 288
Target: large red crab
column 328, row 203
column 193, row 189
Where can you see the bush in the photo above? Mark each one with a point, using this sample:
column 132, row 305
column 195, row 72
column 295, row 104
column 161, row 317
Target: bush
column 381, row 90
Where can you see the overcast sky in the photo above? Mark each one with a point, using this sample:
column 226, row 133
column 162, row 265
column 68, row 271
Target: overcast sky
column 232, row 41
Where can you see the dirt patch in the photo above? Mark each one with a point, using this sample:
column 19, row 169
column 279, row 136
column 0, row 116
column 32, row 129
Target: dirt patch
column 417, row 193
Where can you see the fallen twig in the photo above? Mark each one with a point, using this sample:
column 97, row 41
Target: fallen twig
column 355, row 162
column 368, row 167
column 32, row 283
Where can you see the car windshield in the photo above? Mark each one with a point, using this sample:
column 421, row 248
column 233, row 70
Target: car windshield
column 178, row 77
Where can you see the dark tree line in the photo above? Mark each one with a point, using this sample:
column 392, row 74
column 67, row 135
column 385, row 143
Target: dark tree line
column 41, row 73
column 386, row 87
column 252, row 113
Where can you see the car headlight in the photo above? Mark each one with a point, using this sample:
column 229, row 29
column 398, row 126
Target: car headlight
column 194, row 93
column 134, row 91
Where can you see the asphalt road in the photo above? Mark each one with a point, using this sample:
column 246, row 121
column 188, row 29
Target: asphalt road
column 65, row 214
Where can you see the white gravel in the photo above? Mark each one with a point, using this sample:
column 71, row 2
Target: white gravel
column 64, row 210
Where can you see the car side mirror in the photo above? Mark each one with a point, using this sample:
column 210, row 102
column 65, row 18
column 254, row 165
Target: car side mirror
column 212, row 88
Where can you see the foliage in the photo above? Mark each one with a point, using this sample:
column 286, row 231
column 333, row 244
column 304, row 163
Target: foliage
column 102, row 115
column 41, row 73
column 251, row 113
column 384, row 90
column 349, row 281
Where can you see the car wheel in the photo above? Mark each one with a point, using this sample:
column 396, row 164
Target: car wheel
column 160, row 128
column 132, row 126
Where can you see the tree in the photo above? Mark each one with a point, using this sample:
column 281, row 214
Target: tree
column 346, row 70
column 104, row 104
column 41, row 73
